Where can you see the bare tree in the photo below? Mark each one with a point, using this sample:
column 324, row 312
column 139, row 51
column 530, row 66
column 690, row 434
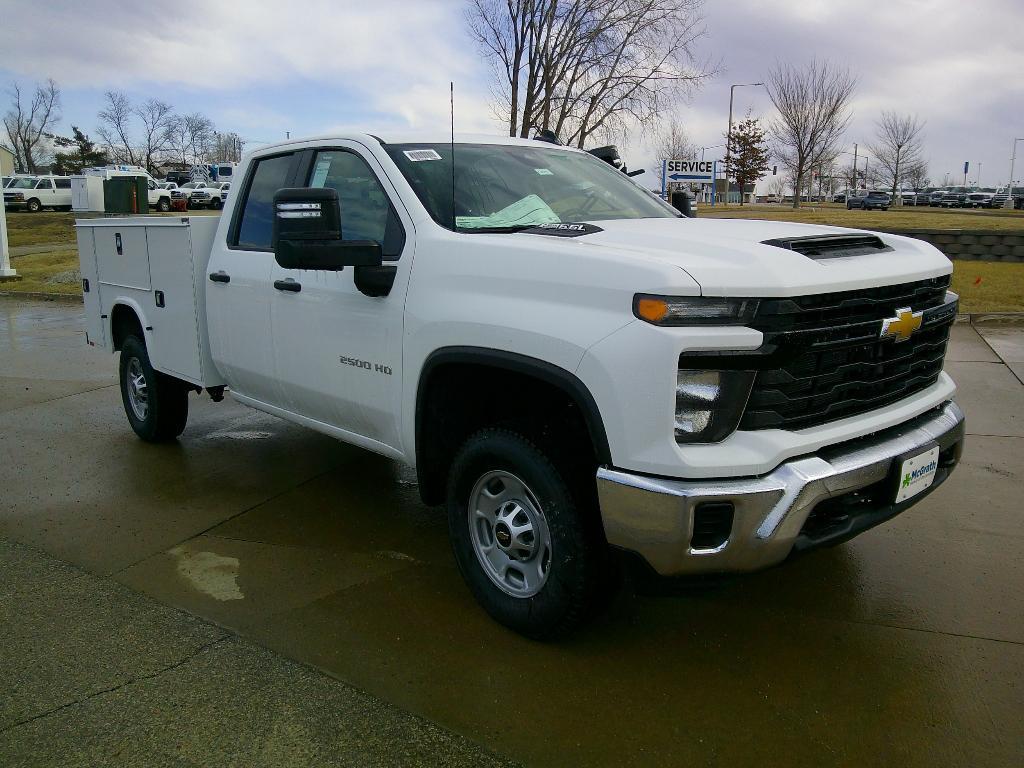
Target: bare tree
column 672, row 143
column 28, row 124
column 777, row 187
column 190, row 136
column 917, row 175
column 157, row 120
column 898, row 148
column 115, row 127
column 813, row 112
column 585, row 67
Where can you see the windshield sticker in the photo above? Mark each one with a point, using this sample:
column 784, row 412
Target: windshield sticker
column 419, row 155
column 544, row 171
column 323, row 167
column 528, row 211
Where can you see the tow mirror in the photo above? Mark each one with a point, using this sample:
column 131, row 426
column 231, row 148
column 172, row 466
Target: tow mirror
column 307, row 233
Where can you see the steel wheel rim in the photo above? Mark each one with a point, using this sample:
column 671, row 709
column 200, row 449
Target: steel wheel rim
column 510, row 534
column 138, row 391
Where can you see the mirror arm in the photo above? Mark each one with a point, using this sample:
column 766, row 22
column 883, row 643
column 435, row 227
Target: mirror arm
column 376, row 281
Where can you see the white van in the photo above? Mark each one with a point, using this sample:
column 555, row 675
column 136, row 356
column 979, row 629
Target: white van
column 34, row 194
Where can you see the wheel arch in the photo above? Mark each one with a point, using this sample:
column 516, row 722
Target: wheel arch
column 126, row 316
column 432, row 458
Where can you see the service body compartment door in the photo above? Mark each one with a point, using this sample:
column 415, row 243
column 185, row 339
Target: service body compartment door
column 95, row 328
column 175, row 347
column 121, row 256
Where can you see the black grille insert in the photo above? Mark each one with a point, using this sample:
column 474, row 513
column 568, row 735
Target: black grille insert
column 823, row 357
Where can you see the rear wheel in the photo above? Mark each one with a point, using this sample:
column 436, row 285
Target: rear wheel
column 164, row 205
column 156, row 404
column 524, row 538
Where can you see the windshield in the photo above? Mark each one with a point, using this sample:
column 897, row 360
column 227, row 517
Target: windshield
column 509, row 187
column 23, row 183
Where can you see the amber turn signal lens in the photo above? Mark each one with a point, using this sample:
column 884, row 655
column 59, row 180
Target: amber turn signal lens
column 652, row 310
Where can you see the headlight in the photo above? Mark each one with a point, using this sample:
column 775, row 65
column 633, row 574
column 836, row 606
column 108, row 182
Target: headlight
column 709, row 404
column 693, row 310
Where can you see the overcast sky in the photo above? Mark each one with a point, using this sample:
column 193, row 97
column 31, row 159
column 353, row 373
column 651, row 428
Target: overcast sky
column 264, row 68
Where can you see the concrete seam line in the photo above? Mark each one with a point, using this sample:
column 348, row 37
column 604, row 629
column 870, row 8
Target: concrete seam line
column 131, row 681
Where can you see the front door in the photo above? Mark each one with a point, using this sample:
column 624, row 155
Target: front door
column 338, row 350
column 239, row 288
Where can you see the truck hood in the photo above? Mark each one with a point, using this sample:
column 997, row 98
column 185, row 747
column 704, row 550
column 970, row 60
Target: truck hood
column 728, row 257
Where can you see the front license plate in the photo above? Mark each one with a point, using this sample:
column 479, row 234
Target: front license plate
column 917, row 473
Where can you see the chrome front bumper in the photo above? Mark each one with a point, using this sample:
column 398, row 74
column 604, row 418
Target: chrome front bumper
column 654, row 517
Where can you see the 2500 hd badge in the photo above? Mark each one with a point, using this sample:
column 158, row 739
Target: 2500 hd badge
column 366, row 365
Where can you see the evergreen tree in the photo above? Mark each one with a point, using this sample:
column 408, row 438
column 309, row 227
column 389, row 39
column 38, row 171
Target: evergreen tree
column 748, row 154
column 83, row 154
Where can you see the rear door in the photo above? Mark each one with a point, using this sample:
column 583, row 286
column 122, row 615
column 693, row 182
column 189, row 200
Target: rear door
column 239, row 289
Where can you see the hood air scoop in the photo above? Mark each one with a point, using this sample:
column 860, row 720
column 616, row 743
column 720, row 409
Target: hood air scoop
column 831, row 246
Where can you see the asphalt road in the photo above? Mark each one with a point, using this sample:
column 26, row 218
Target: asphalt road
column 904, row 646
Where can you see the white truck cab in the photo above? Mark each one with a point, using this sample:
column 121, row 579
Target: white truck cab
column 33, row 193
column 572, row 368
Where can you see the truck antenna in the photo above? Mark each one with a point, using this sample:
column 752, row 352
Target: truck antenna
column 452, row 102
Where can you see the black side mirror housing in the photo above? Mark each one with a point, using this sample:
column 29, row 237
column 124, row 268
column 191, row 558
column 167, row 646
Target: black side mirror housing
column 307, row 233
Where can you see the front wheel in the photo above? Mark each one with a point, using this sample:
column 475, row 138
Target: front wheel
column 164, row 205
column 216, row 204
column 156, row 404
column 525, row 542
column 34, row 206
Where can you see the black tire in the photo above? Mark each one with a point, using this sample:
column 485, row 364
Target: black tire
column 163, row 205
column 578, row 556
column 216, row 204
column 33, row 206
column 166, row 409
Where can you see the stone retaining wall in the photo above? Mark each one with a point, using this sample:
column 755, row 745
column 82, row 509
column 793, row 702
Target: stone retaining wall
column 970, row 244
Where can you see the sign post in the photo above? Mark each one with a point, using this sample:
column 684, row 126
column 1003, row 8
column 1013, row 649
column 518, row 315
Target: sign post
column 6, row 272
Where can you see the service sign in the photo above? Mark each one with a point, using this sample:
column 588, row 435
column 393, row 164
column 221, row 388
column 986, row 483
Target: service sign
column 690, row 170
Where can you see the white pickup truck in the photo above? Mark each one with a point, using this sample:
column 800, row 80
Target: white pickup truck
column 573, row 369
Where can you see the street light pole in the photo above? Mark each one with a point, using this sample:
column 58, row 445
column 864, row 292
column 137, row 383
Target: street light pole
column 1009, row 184
column 728, row 136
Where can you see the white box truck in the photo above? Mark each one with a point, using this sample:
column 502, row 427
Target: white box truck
column 573, row 369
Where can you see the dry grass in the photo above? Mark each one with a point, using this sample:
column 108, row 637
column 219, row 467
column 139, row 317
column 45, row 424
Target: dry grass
column 40, row 228
column 989, row 286
column 902, row 218
column 37, row 272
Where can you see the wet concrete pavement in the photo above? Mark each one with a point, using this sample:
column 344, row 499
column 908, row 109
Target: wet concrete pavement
column 905, row 645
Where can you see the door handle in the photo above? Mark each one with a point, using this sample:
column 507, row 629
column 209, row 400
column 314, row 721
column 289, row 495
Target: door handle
column 220, row 277
column 288, row 285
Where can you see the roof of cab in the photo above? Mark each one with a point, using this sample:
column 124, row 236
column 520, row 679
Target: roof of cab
column 425, row 137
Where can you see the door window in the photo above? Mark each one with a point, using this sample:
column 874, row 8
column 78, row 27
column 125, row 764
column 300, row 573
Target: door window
column 366, row 212
column 257, row 220
column 44, row 184
column 63, row 183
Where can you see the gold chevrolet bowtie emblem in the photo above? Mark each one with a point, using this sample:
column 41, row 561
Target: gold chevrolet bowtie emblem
column 903, row 325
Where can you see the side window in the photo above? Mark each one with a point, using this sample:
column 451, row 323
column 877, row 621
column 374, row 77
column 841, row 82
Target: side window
column 366, row 212
column 256, row 224
column 63, row 183
column 44, row 184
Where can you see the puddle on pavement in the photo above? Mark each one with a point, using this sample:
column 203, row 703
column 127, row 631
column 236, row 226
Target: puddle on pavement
column 207, row 572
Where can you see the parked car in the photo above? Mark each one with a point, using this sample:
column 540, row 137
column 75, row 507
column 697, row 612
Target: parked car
column 935, row 198
column 777, row 199
column 866, row 200
column 208, row 195
column 555, row 406
column 953, row 199
column 999, row 198
column 908, row 198
column 839, row 198
column 184, row 191
column 35, row 193
column 979, row 200
column 224, row 189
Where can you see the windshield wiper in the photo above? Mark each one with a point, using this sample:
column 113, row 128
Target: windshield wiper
column 499, row 230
